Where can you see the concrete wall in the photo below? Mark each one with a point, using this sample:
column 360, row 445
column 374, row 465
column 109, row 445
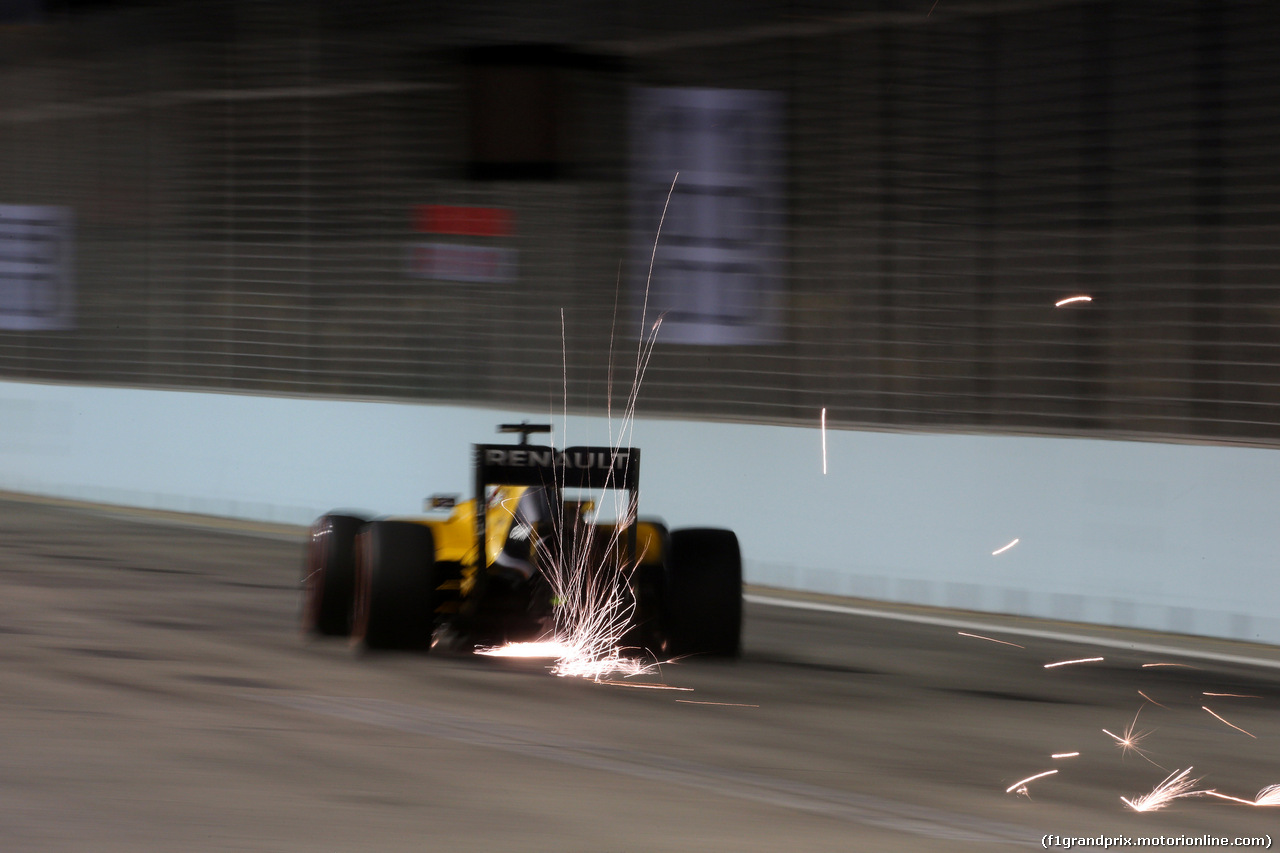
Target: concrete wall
column 1174, row 537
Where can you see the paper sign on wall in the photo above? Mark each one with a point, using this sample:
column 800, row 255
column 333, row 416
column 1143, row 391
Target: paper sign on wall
column 36, row 290
column 718, row 272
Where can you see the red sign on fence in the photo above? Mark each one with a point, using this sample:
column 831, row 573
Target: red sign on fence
column 463, row 221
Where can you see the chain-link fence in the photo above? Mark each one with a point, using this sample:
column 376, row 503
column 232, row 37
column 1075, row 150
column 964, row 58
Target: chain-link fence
column 265, row 197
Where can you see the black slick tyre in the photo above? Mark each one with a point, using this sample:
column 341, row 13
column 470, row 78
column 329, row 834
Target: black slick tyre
column 329, row 575
column 703, row 593
column 396, row 586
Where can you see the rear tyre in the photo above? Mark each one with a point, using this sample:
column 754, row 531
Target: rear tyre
column 396, row 586
column 703, row 593
column 329, row 575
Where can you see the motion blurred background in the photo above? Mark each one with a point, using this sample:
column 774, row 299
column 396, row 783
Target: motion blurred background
column 264, row 258
column 878, row 206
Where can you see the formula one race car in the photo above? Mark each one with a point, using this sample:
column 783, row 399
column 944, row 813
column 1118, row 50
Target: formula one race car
column 499, row 567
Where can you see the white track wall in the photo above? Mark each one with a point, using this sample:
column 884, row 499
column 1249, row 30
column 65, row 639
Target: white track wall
column 1181, row 538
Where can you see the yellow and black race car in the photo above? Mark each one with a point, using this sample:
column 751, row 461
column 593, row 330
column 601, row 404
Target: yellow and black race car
column 494, row 570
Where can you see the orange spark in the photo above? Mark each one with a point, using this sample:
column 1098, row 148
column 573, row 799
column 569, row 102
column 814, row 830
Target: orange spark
column 1149, row 699
column 990, row 639
column 1268, row 796
column 1233, row 695
column 1070, row 662
column 1016, row 785
column 1175, row 785
column 544, row 649
column 1071, row 299
column 1064, row 755
column 1129, row 742
column 1233, row 725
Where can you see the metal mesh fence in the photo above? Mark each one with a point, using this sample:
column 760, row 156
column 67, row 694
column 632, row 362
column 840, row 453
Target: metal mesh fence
column 244, row 182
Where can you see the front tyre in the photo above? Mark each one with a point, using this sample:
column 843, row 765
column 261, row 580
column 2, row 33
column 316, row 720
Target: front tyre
column 329, row 575
column 397, row 582
column 703, row 593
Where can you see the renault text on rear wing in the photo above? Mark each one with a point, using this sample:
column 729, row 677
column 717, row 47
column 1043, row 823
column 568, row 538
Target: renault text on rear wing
column 571, row 468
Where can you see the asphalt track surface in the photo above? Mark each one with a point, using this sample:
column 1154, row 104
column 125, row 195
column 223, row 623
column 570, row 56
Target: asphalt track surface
column 157, row 696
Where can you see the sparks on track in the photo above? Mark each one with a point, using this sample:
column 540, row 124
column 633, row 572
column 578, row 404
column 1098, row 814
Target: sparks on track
column 1021, row 786
column 1072, row 662
column 1176, row 785
column 596, row 611
column 1130, row 740
column 989, row 639
column 1233, row 695
column 539, row 649
column 1267, row 797
column 1233, row 725
column 1149, row 699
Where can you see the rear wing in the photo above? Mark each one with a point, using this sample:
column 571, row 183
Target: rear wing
column 571, row 468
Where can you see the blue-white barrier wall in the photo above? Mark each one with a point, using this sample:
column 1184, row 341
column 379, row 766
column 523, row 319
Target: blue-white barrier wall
column 1174, row 537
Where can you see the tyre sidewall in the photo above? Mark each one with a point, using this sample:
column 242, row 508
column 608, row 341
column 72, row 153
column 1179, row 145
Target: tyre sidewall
column 703, row 592
column 329, row 575
column 395, row 599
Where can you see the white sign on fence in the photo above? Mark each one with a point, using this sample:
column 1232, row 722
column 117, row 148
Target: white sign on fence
column 718, row 272
column 36, row 282
column 457, row 262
